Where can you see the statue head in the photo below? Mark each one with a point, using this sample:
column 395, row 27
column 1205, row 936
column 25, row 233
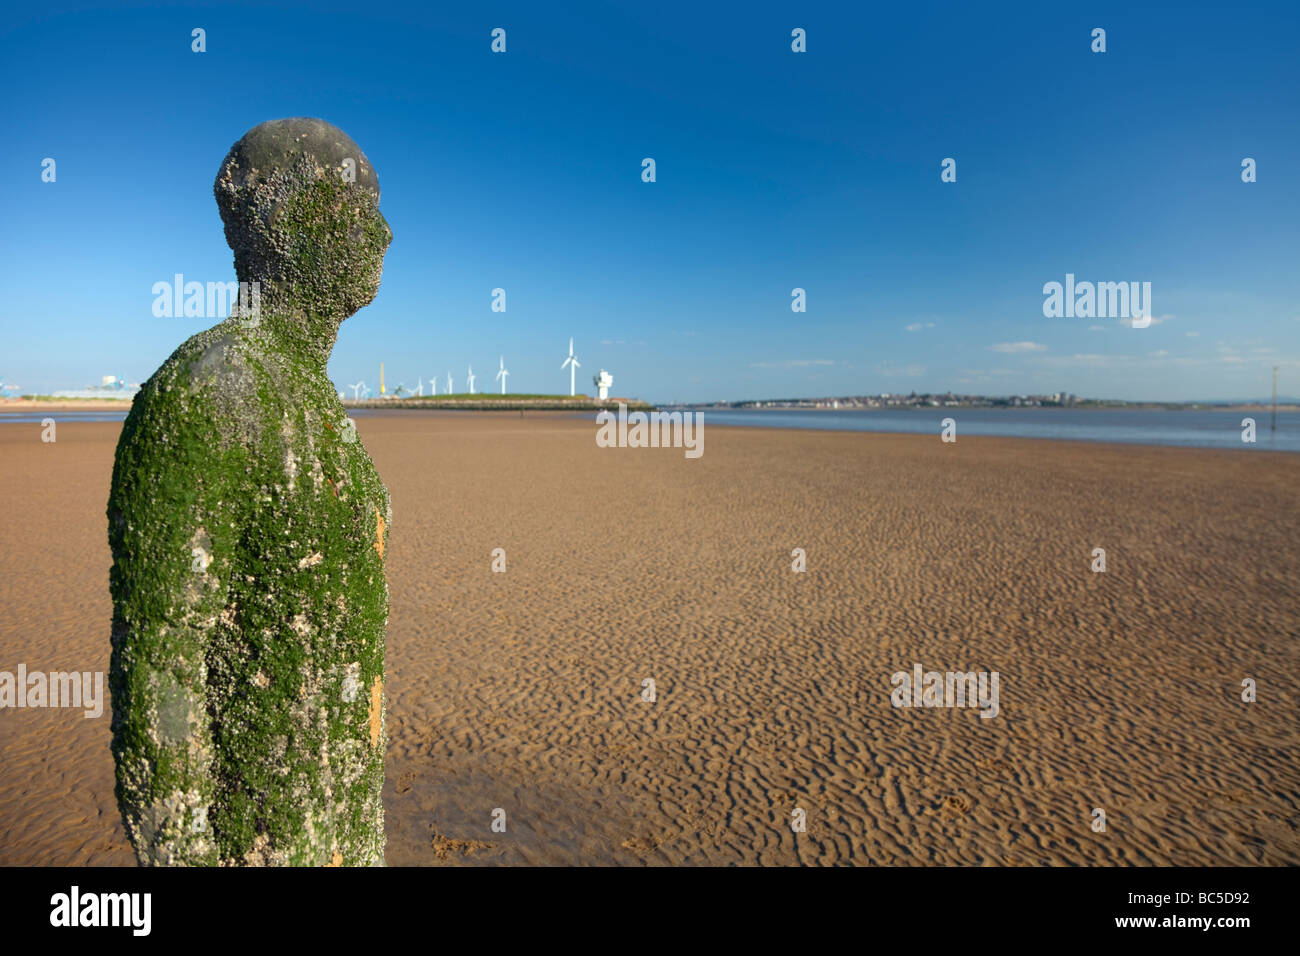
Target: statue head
column 300, row 203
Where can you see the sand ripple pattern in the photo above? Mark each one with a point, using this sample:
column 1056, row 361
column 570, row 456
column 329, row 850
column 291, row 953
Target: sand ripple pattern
column 521, row 691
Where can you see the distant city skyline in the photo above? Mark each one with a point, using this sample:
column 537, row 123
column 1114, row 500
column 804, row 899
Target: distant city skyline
column 775, row 171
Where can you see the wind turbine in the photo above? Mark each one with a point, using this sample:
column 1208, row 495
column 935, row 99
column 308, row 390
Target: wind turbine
column 502, row 373
column 356, row 389
column 449, row 383
column 419, row 387
column 433, row 385
column 471, row 379
column 573, row 367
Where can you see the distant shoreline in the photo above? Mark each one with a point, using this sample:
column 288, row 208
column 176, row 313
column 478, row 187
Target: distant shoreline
column 55, row 404
column 495, row 404
column 17, row 406
column 1097, row 407
column 475, row 404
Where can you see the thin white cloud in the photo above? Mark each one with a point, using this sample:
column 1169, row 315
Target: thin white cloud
column 793, row 363
column 918, row 326
column 1018, row 347
column 1155, row 320
column 1133, row 364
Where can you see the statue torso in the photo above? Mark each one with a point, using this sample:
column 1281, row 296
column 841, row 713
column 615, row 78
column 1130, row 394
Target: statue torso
column 281, row 520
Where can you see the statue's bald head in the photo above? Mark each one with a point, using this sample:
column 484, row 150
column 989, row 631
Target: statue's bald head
column 300, row 203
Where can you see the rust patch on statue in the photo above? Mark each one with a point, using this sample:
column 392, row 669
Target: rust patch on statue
column 376, row 710
column 379, row 533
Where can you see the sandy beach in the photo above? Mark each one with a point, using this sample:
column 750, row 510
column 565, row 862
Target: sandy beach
column 62, row 405
column 522, row 690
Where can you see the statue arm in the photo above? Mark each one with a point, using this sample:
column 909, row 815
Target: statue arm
column 167, row 524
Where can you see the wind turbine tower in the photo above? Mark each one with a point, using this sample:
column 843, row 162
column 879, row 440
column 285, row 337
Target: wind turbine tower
column 471, row 379
column 449, row 383
column 502, row 373
column 573, row 368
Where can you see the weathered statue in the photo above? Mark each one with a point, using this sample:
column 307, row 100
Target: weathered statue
column 248, row 528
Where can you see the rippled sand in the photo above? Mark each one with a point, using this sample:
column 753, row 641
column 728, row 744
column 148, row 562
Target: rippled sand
column 522, row 691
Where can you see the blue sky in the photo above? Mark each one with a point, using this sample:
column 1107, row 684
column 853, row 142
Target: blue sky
column 775, row 170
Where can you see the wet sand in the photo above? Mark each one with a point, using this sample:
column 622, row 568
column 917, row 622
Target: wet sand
column 522, row 690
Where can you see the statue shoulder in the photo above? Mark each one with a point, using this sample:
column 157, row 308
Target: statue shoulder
column 212, row 390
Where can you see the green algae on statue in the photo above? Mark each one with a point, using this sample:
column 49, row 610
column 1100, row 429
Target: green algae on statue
column 248, row 528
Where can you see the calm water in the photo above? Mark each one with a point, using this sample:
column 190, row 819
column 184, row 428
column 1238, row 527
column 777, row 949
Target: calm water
column 1207, row 429
column 58, row 416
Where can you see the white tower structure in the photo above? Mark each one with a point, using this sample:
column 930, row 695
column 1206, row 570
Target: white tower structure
column 603, row 382
column 471, row 379
column 502, row 373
